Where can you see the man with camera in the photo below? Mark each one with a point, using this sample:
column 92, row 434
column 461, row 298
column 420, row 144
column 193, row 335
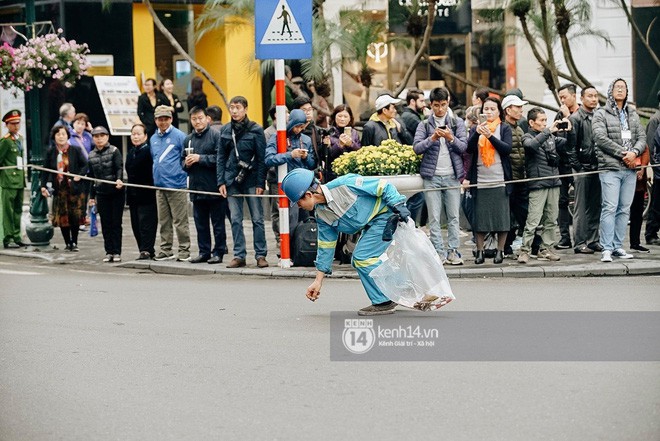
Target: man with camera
column 542, row 151
column 199, row 161
column 241, row 170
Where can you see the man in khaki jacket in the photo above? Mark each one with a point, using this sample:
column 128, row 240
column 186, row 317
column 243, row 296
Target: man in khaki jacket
column 12, row 180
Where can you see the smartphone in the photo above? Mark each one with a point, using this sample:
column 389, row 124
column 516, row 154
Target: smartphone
column 482, row 118
column 562, row 125
column 347, row 131
column 443, row 127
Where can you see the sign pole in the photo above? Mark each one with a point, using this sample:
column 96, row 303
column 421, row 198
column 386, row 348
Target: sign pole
column 280, row 112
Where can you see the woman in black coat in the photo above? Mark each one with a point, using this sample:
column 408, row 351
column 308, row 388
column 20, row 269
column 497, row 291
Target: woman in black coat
column 147, row 103
column 167, row 90
column 67, row 192
column 141, row 201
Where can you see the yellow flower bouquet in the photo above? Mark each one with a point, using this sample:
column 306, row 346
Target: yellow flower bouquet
column 389, row 159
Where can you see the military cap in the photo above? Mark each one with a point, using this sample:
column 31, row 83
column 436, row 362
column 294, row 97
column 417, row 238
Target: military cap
column 11, row 116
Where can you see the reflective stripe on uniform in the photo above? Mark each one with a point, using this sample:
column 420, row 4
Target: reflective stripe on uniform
column 365, row 263
column 327, row 244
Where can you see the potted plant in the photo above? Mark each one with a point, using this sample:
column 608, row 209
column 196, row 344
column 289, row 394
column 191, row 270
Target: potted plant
column 396, row 162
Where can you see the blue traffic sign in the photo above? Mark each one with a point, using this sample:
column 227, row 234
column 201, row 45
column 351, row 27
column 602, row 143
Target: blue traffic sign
column 283, row 29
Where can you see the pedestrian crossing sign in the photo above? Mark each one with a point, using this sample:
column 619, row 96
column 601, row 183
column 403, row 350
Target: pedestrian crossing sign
column 283, row 29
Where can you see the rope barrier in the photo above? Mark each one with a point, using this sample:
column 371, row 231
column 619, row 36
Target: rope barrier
column 421, row 190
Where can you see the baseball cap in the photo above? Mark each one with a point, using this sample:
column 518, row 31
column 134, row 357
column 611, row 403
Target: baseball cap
column 512, row 100
column 385, row 100
column 99, row 130
column 163, row 111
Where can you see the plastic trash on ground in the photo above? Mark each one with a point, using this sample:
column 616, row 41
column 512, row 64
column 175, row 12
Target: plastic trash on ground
column 412, row 274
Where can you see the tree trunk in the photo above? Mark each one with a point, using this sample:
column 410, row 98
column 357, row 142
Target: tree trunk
column 552, row 65
column 422, row 47
column 185, row 54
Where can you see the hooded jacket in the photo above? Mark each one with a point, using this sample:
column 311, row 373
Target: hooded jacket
column 607, row 128
column 299, row 141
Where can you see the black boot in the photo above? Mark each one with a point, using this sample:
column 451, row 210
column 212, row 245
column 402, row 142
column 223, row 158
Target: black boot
column 499, row 257
column 480, row 257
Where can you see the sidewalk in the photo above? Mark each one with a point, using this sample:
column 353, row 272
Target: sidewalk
column 91, row 254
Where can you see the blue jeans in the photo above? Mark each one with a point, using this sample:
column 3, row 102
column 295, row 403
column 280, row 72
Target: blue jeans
column 450, row 201
column 617, row 192
column 258, row 230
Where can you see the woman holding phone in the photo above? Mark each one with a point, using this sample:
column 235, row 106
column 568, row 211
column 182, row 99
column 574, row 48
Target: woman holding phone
column 343, row 136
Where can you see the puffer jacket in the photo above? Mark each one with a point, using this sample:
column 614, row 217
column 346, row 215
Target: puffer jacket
column 606, row 129
column 424, row 145
column 375, row 131
column 202, row 174
column 106, row 164
column 517, row 156
column 539, row 148
column 582, row 153
column 251, row 149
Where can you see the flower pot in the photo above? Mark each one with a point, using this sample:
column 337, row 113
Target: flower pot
column 405, row 184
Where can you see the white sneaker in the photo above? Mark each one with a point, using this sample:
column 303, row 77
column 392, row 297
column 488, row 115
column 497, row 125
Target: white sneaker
column 621, row 254
column 606, row 256
column 454, row 258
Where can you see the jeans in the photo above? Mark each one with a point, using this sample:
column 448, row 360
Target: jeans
column 258, row 229
column 415, row 204
column 213, row 210
column 450, row 201
column 617, row 191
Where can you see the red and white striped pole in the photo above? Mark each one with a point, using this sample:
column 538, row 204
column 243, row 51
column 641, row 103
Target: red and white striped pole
column 280, row 112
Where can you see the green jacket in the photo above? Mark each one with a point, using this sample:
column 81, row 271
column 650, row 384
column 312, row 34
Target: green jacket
column 10, row 178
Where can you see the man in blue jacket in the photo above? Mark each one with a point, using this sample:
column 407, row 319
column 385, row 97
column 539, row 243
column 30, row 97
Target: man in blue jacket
column 442, row 140
column 166, row 151
column 349, row 204
column 200, row 163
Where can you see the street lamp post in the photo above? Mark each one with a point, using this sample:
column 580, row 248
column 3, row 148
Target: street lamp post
column 38, row 230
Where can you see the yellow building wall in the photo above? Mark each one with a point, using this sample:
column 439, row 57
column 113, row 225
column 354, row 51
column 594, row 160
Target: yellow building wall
column 144, row 51
column 235, row 70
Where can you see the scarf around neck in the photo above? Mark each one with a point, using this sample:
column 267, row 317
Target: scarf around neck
column 486, row 148
column 239, row 127
column 62, row 163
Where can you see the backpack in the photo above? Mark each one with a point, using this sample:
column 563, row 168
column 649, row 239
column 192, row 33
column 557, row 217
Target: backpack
column 305, row 243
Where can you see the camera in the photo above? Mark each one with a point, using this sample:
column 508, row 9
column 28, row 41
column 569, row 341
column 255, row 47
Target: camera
column 243, row 171
column 562, row 125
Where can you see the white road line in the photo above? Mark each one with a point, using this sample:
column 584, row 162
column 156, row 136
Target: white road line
column 19, row 273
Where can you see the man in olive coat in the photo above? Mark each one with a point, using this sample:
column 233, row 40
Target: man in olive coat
column 12, row 180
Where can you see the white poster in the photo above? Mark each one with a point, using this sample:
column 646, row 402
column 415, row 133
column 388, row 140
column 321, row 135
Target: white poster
column 119, row 97
column 10, row 100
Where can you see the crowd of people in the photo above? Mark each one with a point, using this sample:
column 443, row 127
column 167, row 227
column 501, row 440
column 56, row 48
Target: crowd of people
column 500, row 167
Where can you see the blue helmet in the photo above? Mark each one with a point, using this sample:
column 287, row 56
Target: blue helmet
column 296, row 183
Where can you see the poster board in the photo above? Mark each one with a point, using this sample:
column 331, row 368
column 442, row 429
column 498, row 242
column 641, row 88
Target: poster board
column 119, row 97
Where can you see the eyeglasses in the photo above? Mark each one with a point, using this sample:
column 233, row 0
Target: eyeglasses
column 619, row 87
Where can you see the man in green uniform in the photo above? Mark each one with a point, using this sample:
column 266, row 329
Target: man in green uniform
column 12, row 180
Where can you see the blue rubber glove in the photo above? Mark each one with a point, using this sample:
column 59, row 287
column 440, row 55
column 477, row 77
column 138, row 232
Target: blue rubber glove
column 402, row 211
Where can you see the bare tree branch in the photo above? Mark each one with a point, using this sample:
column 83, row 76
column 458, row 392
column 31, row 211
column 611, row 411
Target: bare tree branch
column 422, row 47
column 185, row 54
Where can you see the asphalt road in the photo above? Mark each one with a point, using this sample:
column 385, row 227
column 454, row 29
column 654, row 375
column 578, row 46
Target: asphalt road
column 93, row 353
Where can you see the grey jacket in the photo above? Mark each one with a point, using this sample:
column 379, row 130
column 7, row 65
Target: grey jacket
column 542, row 152
column 606, row 129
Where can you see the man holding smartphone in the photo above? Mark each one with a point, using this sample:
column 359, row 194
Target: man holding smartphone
column 442, row 140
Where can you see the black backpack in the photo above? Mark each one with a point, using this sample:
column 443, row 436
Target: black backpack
column 305, row 243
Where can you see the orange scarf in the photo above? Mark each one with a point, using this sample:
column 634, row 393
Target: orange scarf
column 486, row 148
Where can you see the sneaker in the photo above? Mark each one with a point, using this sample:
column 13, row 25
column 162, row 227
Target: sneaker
column 116, row 258
column 640, row 249
column 164, row 256
column 534, row 254
column 82, row 228
column 548, row 255
column 596, row 247
column 108, row 258
column 379, row 309
column 454, row 258
column 563, row 244
column 523, row 257
column 74, row 247
column 508, row 251
column 470, row 243
column 621, row 254
column 144, row 255
column 606, row 256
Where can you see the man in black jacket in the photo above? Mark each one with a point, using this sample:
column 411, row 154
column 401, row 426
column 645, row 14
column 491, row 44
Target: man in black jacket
column 383, row 125
column 582, row 157
column 241, row 169
column 412, row 114
column 199, row 161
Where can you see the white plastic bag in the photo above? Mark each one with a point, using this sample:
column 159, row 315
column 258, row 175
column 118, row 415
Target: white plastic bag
column 412, row 274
